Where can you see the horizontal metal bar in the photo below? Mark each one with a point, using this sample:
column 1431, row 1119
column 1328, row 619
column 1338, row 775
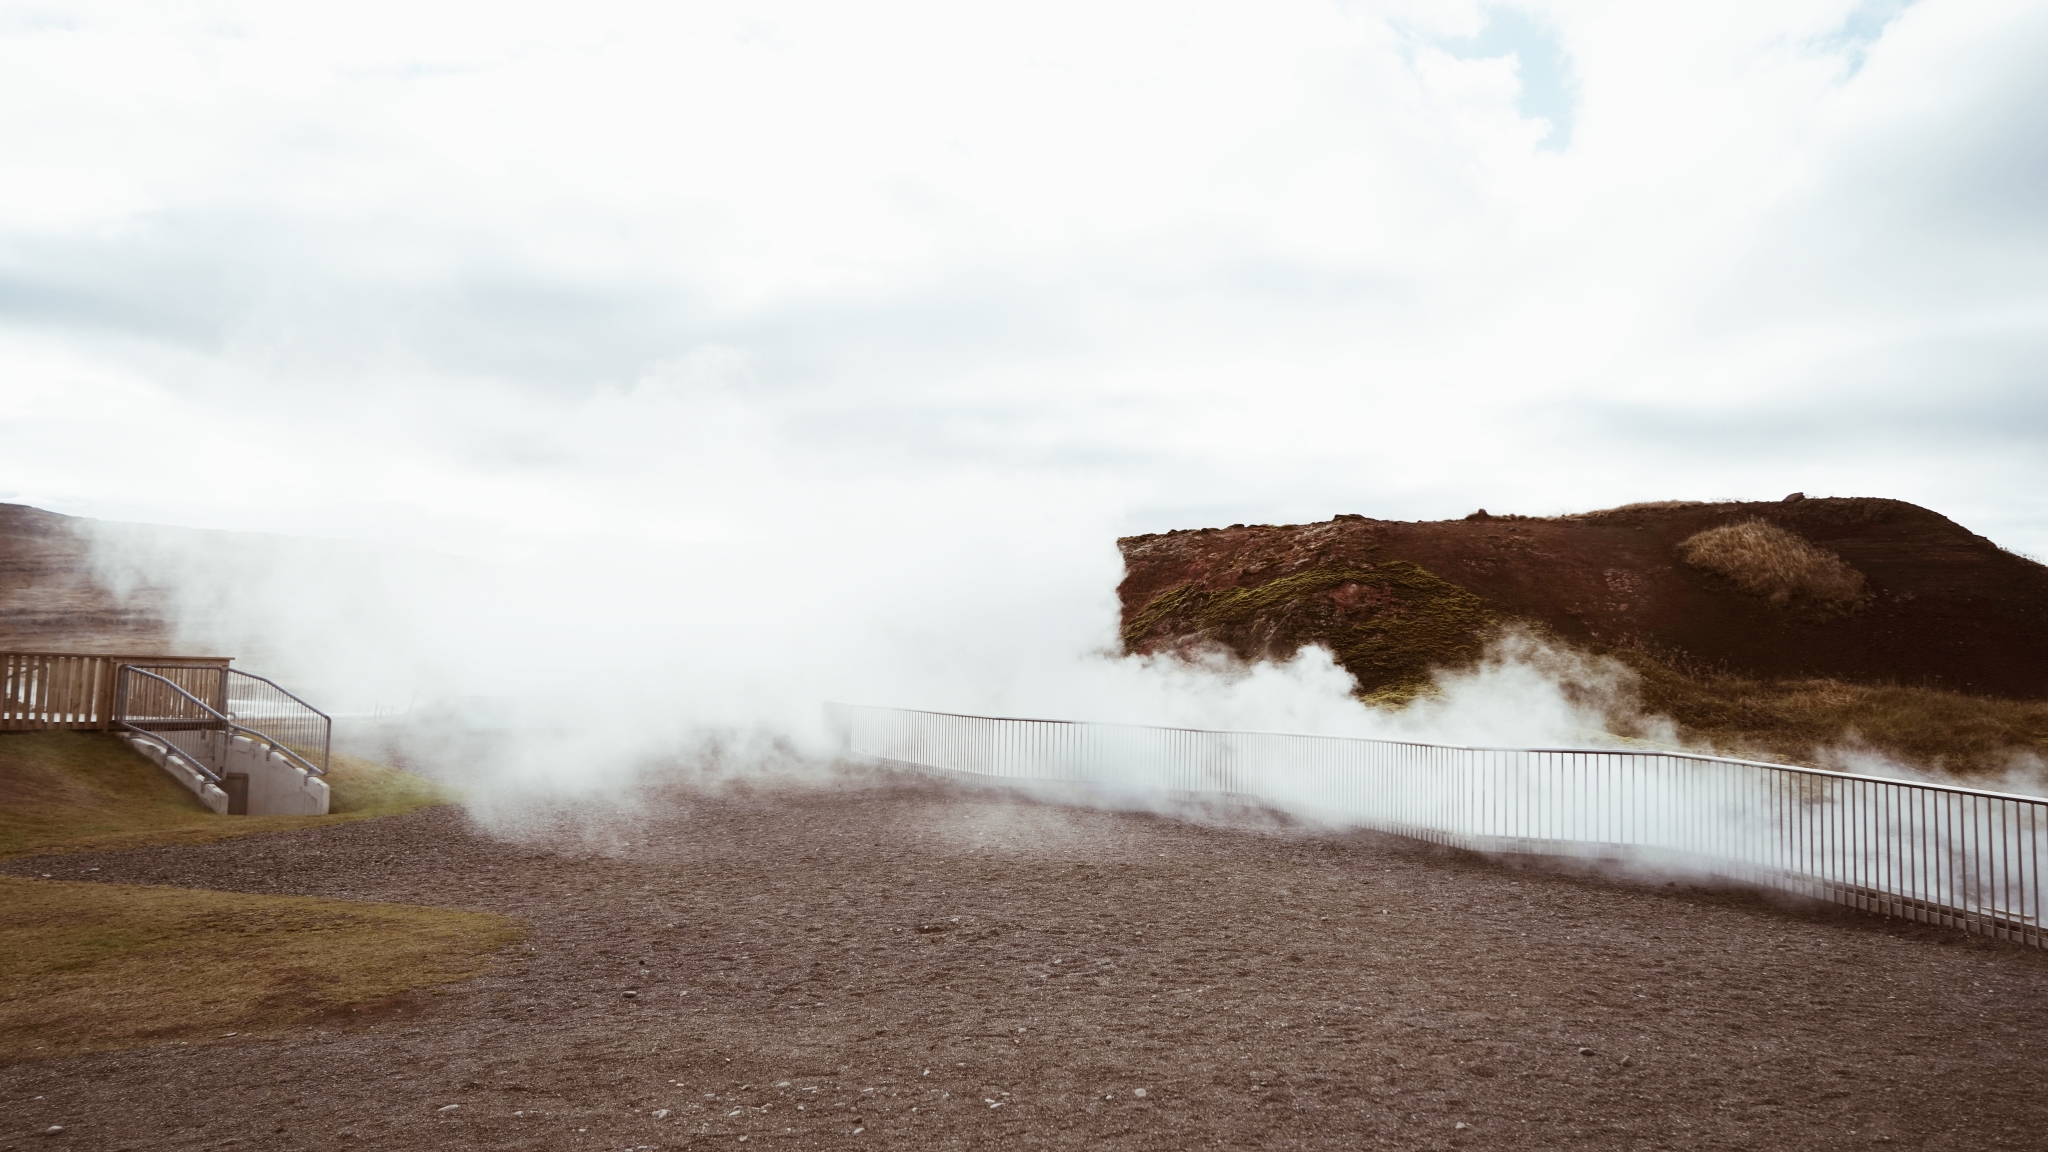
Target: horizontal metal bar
column 223, row 719
column 283, row 691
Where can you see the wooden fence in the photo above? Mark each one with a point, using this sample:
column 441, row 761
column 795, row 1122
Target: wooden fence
column 45, row 690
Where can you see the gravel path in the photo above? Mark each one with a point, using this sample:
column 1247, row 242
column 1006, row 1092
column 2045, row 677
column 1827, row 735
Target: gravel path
column 909, row 965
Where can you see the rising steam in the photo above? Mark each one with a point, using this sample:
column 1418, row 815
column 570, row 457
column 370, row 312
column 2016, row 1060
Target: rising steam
column 562, row 678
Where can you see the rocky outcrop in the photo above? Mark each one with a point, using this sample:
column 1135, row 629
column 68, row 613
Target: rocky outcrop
column 1940, row 606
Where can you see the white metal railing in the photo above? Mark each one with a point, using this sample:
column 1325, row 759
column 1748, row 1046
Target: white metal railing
column 1936, row 853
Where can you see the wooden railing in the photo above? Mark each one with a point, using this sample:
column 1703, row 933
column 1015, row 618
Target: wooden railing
column 44, row 690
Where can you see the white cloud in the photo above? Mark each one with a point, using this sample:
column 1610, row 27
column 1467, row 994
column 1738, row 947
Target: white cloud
column 911, row 299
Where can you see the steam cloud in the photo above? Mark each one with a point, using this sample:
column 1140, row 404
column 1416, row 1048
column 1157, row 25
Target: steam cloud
column 718, row 361
column 567, row 677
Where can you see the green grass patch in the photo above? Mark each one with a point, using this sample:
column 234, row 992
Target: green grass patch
column 89, row 791
column 85, row 967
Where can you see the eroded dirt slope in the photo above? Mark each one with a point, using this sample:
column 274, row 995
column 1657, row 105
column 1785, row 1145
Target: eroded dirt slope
column 1946, row 607
column 49, row 600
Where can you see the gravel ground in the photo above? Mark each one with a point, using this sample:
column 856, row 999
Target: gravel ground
column 912, row 965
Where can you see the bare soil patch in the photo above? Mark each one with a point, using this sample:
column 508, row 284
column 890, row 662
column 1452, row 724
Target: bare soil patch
column 907, row 964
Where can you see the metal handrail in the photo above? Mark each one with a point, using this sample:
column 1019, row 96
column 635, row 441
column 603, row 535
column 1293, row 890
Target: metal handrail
column 327, row 740
column 283, row 690
column 1934, row 852
column 225, row 722
column 174, row 752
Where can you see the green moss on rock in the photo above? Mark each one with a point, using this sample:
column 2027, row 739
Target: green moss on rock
column 1389, row 624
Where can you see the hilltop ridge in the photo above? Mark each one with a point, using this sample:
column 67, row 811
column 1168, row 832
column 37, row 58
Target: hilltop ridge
column 1942, row 607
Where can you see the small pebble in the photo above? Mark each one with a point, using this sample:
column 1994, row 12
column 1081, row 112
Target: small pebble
column 1462, row 1125
column 1585, row 1051
column 53, row 1129
column 661, row 1113
column 632, row 995
column 1138, row 1092
column 447, row 1107
column 1626, row 1061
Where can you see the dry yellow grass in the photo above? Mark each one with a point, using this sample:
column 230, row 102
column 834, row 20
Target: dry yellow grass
column 87, row 791
column 1764, row 560
column 86, row 966
column 1638, row 506
column 1802, row 721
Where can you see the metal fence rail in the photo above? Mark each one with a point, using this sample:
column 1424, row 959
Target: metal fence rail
column 1936, row 853
column 185, row 707
column 262, row 705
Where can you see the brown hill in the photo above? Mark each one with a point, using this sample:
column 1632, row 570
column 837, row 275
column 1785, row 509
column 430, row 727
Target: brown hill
column 1722, row 606
column 1941, row 606
column 49, row 598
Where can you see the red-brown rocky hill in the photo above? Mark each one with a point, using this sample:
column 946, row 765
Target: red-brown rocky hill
column 1944, row 607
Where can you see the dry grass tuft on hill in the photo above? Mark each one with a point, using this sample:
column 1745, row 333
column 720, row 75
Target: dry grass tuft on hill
column 1819, row 721
column 1765, row 560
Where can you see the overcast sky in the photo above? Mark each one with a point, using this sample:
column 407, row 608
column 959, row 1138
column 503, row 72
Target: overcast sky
column 493, row 277
column 388, row 269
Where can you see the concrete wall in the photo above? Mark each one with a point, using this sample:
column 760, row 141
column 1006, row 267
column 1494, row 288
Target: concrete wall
column 277, row 787
column 174, row 764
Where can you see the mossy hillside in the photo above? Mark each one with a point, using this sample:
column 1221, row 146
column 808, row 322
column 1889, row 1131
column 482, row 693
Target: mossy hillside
column 1390, row 624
